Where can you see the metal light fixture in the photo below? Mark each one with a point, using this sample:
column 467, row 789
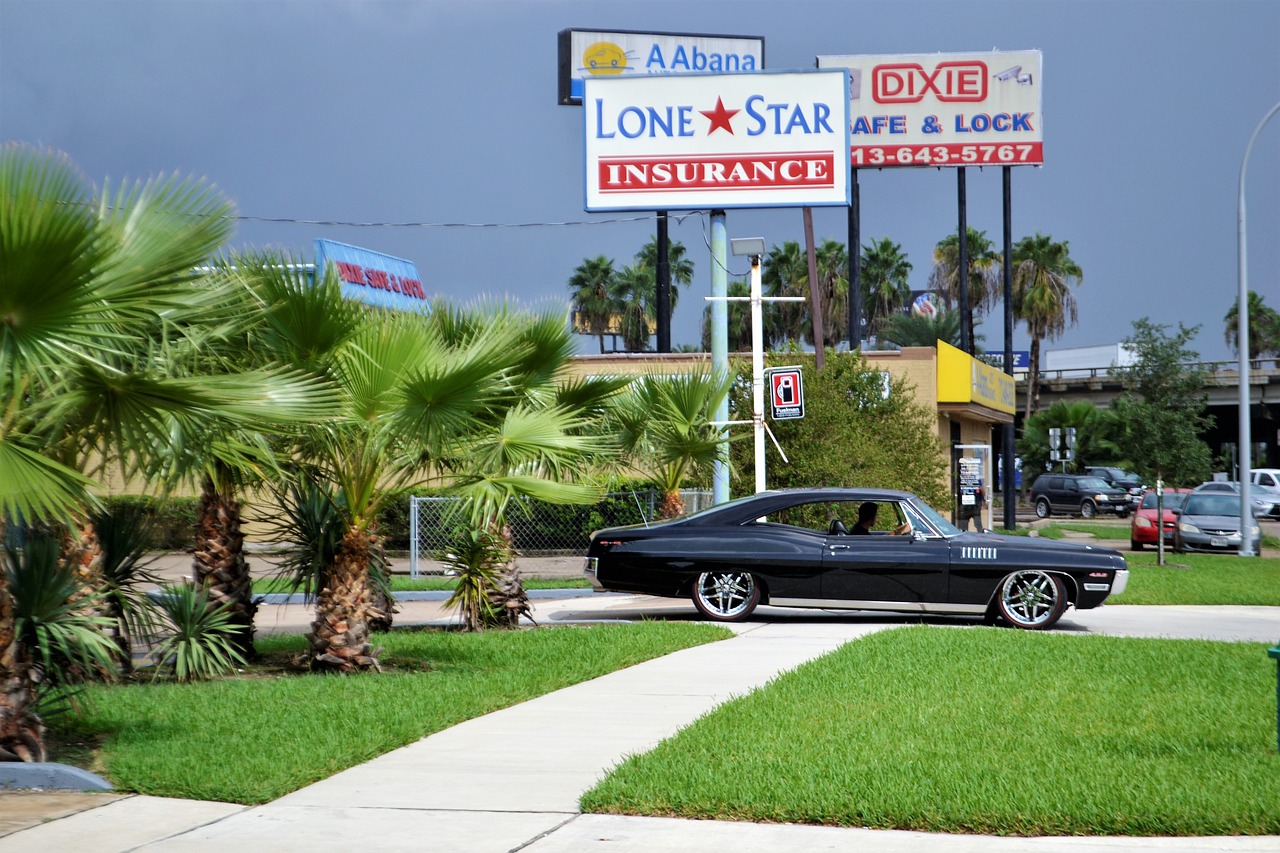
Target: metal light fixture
column 747, row 247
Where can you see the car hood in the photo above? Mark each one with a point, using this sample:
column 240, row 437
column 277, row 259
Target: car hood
column 1218, row 522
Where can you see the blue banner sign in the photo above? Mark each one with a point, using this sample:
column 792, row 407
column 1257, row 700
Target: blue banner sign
column 372, row 277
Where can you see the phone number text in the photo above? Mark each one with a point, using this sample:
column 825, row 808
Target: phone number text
column 948, row 154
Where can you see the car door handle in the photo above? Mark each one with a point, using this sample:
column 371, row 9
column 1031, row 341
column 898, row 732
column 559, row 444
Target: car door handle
column 838, row 547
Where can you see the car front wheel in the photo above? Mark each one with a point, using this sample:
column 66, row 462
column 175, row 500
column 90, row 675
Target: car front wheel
column 1042, row 508
column 1087, row 509
column 726, row 596
column 1135, row 545
column 1031, row 599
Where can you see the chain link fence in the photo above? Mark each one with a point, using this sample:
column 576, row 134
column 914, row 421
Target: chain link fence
column 538, row 529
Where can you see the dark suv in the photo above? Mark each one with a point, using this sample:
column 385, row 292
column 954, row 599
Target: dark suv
column 1121, row 479
column 1077, row 494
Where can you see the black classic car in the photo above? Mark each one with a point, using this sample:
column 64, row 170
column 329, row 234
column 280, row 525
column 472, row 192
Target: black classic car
column 806, row 548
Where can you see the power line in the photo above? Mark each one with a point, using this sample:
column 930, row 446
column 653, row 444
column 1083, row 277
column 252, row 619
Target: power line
column 346, row 224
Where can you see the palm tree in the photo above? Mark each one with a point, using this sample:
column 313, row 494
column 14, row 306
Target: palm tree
column 663, row 425
column 911, row 330
column 1264, row 327
column 80, row 279
column 593, row 307
column 103, row 316
column 282, row 321
column 833, row 290
column 1043, row 273
column 785, row 272
column 885, row 291
column 984, row 274
column 633, row 292
column 680, row 266
column 466, row 402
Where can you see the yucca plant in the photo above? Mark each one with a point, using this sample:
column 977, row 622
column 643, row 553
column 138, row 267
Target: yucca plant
column 125, row 532
column 311, row 519
column 480, row 558
column 60, row 636
column 200, row 643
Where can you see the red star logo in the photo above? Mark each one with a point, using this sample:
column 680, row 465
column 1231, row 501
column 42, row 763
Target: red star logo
column 719, row 117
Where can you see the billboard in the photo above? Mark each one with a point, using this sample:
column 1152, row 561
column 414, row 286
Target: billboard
column 373, row 277
column 944, row 109
column 716, row 140
column 601, row 53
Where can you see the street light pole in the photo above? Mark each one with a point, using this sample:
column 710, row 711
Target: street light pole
column 1242, row 338
column 757, row 370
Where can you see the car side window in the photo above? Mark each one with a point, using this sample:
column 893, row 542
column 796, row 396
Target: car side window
column 1071, row 486
column 819, row 516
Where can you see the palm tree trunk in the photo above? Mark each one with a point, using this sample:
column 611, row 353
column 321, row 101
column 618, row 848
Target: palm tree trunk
column 340, row 633
column 672, row 505
column 1033, row 378
column 220, row 565
column 382, row 606
column 21, row 732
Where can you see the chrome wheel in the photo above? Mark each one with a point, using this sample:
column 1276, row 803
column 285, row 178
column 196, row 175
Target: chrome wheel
column 1042, row 508
column 1032, row 599
column 1088, row 510
column 726, row 596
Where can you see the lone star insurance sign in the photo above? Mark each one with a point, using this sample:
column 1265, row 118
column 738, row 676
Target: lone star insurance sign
column 786, row 393
column 717, row 140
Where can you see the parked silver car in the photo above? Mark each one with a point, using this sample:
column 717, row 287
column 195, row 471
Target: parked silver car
column 1210, row 521
column 1264, row 502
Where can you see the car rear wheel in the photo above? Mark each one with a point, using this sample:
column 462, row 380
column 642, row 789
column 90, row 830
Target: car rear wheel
column 1042, row 508
column 1087, row 509
column 726, row 596
column 1032, row 599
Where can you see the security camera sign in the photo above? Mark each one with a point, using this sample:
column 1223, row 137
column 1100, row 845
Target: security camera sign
column 786, row 393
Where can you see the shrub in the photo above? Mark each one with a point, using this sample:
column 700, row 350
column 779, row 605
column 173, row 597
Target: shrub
column 172, row 520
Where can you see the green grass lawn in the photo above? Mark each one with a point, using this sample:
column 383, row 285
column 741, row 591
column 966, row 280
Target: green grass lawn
column 1201, row 579
column 984, row 730
column 257, row 737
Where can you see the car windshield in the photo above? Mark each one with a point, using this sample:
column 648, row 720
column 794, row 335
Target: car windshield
column 1172, row 500
column 1203, row 504
column 933, row 517
column 1089, row 484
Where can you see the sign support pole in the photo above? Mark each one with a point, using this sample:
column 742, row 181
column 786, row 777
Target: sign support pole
column 720, row 344
column 754, row 247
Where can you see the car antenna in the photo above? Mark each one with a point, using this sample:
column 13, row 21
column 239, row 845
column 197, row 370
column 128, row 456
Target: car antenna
column 636, row 498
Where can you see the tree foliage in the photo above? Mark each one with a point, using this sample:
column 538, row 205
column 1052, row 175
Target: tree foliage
column 883, row 279
column 1043, row 273
column 1096, row 431
column 1163, row 406
column 1264, row 327
column 852, row 434
column 983, row 275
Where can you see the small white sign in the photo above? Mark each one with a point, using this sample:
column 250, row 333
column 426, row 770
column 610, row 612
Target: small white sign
column 716, row 140
column 786, row 393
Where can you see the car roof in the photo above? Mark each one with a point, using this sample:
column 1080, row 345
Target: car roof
column 763, row 503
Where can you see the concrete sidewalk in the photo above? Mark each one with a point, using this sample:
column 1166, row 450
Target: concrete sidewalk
column 511, row 780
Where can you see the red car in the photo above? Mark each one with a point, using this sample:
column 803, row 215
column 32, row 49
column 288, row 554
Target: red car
column 1142, row 531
